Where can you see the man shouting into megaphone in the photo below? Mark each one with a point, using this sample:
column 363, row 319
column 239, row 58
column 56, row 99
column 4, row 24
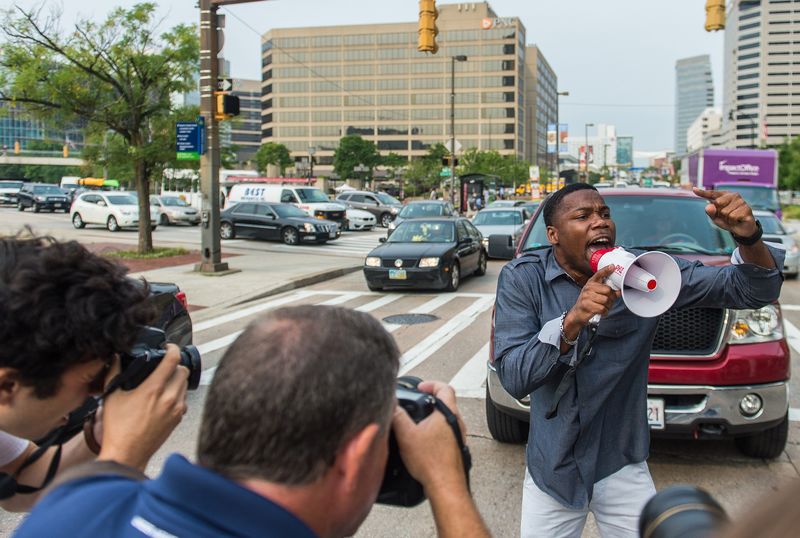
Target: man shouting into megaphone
column 589, row 436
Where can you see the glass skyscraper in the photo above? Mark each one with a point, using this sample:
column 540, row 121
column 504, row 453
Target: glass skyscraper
column 694, row 92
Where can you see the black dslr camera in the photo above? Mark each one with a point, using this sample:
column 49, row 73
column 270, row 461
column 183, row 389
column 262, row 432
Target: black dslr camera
column 146, row 355
column 399, row 488
column 681, row 512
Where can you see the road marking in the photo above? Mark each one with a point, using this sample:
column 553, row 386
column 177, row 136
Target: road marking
column 790, row 307
column 378, row 303
column 470, row 379
column 442, row 335
column 794, row 414
column 203, row 325
column 342, row 298
column 433, row 304
column 792, row 334
column 217, row 344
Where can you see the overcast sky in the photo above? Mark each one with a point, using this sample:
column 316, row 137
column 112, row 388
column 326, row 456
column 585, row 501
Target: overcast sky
column 615, row 57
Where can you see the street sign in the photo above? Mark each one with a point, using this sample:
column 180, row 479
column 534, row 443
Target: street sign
column 445, row 172
column 188, row 140
column 224, row 84
column 447, row 145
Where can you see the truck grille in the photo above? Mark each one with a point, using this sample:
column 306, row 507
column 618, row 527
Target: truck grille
column 689, row 331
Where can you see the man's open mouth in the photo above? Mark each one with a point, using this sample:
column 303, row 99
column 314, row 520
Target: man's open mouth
column 599, row 243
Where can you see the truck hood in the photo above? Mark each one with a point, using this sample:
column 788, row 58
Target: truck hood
column 322, row 206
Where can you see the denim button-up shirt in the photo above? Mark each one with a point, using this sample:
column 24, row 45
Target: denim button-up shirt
column 601, row 424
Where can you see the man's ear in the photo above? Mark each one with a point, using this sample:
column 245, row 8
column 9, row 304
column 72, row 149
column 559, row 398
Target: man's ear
column 9, row 385
column 552, row 235
column 354, row 455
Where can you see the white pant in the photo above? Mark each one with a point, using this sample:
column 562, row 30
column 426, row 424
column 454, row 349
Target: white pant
column 616, row 504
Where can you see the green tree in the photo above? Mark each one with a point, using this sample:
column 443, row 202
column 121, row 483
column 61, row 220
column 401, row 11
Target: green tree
column 275, row 154
column 393, row 162
column 354, row 151
column 789, row 164
column 229, row 157
column 117, row 75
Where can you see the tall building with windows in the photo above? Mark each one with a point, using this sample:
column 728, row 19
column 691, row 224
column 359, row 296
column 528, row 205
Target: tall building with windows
column 16, row 125
column 244, row 131
column 762, row 64
column 705, row 130
column 320, row 84
column 694, row 92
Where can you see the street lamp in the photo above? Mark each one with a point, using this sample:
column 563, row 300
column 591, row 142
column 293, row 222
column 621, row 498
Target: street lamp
column 311, row 151
column 453, row 60
column 586, row 151
column 558, row 134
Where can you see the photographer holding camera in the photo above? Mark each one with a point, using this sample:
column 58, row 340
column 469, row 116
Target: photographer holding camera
column 65, row 314
column 293, row 442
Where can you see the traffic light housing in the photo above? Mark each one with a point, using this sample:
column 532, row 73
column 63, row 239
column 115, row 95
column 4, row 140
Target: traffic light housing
column 16, row 147
column 427, row 27
column 65, row 151
column 227, row 106
column 715, row 15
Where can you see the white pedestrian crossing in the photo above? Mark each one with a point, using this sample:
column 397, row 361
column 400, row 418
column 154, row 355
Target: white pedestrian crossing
column 469, row 382
column 352, row 244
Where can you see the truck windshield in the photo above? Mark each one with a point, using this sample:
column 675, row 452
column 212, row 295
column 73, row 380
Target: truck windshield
column 757, row 197
column 311, row 195
column 667, row 223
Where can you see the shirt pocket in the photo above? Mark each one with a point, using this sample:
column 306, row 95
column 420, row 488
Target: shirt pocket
column 618, row 325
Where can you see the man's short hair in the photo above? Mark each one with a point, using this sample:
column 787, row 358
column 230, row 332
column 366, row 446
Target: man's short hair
column 61, row 305
column 292, row 389
column 553, row 204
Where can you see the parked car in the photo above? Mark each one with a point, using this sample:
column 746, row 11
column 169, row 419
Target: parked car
column 310, row 199
column 380, row 204
column 506, row 203
column 277, row 222
column 776, row 232
column 40, row 196
column 422, row 209
column 531, row 207
column 501, row 220
column 172, row 312
column 359, row 220
column 9, row 189
column 114, row 210
column 714, row 372
column 431, row 253
column 174, row 210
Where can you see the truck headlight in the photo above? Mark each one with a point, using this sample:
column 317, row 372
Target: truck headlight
column 429, row 262
column 759, row 325
column 309, row 227
column 372, row 261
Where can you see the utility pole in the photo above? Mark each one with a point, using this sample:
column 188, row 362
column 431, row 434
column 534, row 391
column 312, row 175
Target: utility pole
column 210, row 251
column 558, row 134
column 453, row 60
column 586, row 151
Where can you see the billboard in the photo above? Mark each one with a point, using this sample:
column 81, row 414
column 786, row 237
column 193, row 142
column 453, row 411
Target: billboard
column 625, row 151
column 563, row 135
column 552, row 138
column 582, row 155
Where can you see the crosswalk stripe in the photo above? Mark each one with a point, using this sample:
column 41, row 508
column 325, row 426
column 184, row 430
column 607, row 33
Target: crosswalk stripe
column 469, row 381
column 379, row 303
column 792, row 334
column 442, row 335
column 239, row 314
column 342, row 298
column 790, row 307
column 433, row 304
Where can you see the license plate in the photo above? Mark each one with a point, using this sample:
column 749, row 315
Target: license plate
column 397, row 274
column 332, row 235
column 655, row 413
column 58, row 205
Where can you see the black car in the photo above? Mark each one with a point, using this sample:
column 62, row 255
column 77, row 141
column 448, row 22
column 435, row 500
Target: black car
column 426, row 253
column 42, row 196
column 421, row 210
column 273, row 221
column 172, row 312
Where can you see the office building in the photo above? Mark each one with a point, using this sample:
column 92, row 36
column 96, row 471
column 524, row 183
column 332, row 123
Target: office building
column 705, row 130
column 694, row 92
column 16, row 125
column 320, row 84
column 243, row 132
column 761, row 103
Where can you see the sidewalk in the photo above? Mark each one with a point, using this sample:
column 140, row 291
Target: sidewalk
column 258, row 274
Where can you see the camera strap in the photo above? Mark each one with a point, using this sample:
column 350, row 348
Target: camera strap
column 452, row 420
column 569, row 375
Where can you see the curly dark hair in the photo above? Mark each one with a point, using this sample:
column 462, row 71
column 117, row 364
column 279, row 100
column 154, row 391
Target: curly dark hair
column 61, row 305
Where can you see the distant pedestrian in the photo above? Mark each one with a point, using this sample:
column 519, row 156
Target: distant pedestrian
column 478, row 203
column 434, row 194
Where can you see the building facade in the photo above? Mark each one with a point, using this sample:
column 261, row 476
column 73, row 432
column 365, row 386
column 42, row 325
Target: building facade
column 762, row 66
column 244, row 131
column 320, row 84
column 694, row 92
column 541, row 101
column 705, row 130
column 17, row 126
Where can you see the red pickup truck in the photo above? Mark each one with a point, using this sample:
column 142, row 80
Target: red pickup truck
column 714, row 372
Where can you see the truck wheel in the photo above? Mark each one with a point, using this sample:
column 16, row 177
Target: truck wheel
column 20, row 207
column 36, row 208
column 768, row 444
column 503, row 427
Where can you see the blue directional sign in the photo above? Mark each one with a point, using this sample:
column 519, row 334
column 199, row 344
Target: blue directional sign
column 189, row 139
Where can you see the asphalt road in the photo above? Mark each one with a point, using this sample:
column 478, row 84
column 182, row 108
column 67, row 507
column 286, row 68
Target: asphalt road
column 453, row 348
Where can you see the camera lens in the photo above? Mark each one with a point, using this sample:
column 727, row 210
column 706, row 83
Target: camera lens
column 681, row 511
column 190, row 358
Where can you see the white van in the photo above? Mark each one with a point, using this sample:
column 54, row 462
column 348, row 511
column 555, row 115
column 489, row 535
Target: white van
column 310, row 199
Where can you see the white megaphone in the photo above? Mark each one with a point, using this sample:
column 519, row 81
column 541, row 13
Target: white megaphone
column 650, row 282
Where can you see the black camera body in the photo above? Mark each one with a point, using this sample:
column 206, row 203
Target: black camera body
column 146, row 355
column 681, row 512
column 399, row 488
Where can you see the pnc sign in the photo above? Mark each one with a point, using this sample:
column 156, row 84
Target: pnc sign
column 487, row 23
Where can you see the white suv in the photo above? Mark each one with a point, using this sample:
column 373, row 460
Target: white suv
column 114, row 210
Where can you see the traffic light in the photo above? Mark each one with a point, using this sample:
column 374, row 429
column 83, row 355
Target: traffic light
column 427, row 27
column 16, row 147
column 227, row 106
column 65, row 151
column 715, row 15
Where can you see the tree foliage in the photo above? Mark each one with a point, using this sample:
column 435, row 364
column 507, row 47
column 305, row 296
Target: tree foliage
column 789, row 164
column 116, row 75
column 354, row 151
column 506, row 167
column 275, row 154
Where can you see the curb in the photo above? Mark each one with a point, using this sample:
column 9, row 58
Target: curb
column 301, row 282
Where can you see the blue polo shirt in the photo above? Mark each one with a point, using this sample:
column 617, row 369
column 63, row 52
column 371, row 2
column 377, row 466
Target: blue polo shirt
column 186, row 500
